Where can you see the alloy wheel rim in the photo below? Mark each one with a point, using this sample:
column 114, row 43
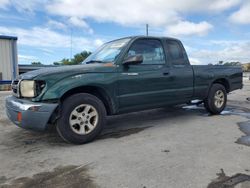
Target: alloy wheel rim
column 83, row 119
column 219, row 98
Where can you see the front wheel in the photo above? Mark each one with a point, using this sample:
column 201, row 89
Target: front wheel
column 82, row 118
column 216, row 100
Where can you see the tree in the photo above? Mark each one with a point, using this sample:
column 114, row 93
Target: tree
column 36, row 63
column 220, row 63
column 78, row 58
column 232, row 63
column 65, row 61
column 56, row 63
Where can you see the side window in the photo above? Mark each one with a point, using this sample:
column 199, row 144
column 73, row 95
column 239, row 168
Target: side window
column 150, row 49
column 175, row 52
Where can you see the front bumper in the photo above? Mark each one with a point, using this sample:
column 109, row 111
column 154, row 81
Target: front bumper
column 27, row 114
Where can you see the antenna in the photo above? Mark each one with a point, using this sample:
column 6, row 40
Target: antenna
column 146, row 29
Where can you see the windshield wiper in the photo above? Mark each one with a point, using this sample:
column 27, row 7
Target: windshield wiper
column 93, row 61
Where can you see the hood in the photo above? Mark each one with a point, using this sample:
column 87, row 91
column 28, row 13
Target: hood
column 67, row 70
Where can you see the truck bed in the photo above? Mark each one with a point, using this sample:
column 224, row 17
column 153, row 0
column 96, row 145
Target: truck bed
column 205, row 75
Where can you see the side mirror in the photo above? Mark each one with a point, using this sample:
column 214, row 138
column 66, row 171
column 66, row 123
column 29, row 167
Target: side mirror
column 133, row 60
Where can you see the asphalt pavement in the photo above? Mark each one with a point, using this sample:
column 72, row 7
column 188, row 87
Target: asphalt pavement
column 180, row 147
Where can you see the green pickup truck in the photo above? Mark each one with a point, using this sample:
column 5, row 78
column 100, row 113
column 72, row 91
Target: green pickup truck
column 124, row 75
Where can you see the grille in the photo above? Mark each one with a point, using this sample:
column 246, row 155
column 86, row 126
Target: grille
column 15, row 87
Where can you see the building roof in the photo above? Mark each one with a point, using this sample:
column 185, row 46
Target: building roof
column 8, row 37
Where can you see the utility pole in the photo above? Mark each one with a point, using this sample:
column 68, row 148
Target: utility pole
column 71, row 43
column 146, row 29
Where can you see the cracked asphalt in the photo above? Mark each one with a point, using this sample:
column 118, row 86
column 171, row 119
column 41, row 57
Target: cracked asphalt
column 175, row 147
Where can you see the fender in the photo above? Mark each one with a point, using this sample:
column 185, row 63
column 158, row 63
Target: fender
column 99, row 80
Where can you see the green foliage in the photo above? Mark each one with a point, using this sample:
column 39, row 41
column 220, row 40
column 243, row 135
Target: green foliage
column 220, row 63
column 65, row 61
column 36, row 63
column 56, row 63
column 78, row 58
column 229, row 63
column 232, row 64
column 245, row 67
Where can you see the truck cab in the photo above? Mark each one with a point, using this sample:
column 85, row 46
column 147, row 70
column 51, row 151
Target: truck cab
column 164, row 77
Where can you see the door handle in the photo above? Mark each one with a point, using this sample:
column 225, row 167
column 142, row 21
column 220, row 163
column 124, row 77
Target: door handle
column 165, row 73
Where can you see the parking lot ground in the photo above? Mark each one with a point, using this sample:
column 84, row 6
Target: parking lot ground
column 175, row 147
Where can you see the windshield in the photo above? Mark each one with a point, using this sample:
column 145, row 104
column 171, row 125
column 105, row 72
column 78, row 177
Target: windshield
column 107, row 52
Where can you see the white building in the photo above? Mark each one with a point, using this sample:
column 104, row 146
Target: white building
column 8, row 59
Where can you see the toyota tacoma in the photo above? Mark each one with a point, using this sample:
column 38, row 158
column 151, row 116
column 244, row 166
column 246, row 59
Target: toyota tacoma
column 124, row 75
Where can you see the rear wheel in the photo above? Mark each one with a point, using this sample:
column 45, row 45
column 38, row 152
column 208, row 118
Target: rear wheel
column 216, row 100
column 82, row 118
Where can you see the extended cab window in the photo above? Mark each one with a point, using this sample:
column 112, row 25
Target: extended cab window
column 175, row 52
column 150, row 49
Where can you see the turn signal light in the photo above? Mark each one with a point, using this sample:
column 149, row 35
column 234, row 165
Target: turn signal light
column 19, row 117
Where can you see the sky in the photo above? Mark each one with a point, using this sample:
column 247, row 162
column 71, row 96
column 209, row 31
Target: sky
column 50, row 30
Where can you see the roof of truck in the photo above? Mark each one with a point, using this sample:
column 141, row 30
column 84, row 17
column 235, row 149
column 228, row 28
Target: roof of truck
column 143, row 36
column 157, row 37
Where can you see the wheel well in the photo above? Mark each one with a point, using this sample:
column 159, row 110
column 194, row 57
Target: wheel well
column 223, row 82
column 96, row 91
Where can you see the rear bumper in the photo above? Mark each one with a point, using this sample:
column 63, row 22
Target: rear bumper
column 27, row 114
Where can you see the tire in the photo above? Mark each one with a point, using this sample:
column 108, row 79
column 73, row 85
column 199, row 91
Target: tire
column 216, row 100
column 81, row 119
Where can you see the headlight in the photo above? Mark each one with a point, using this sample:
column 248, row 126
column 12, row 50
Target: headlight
column 31, row 88
column 27, row 88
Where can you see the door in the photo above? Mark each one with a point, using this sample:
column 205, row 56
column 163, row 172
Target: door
column 180, row 70
column 144, row 85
